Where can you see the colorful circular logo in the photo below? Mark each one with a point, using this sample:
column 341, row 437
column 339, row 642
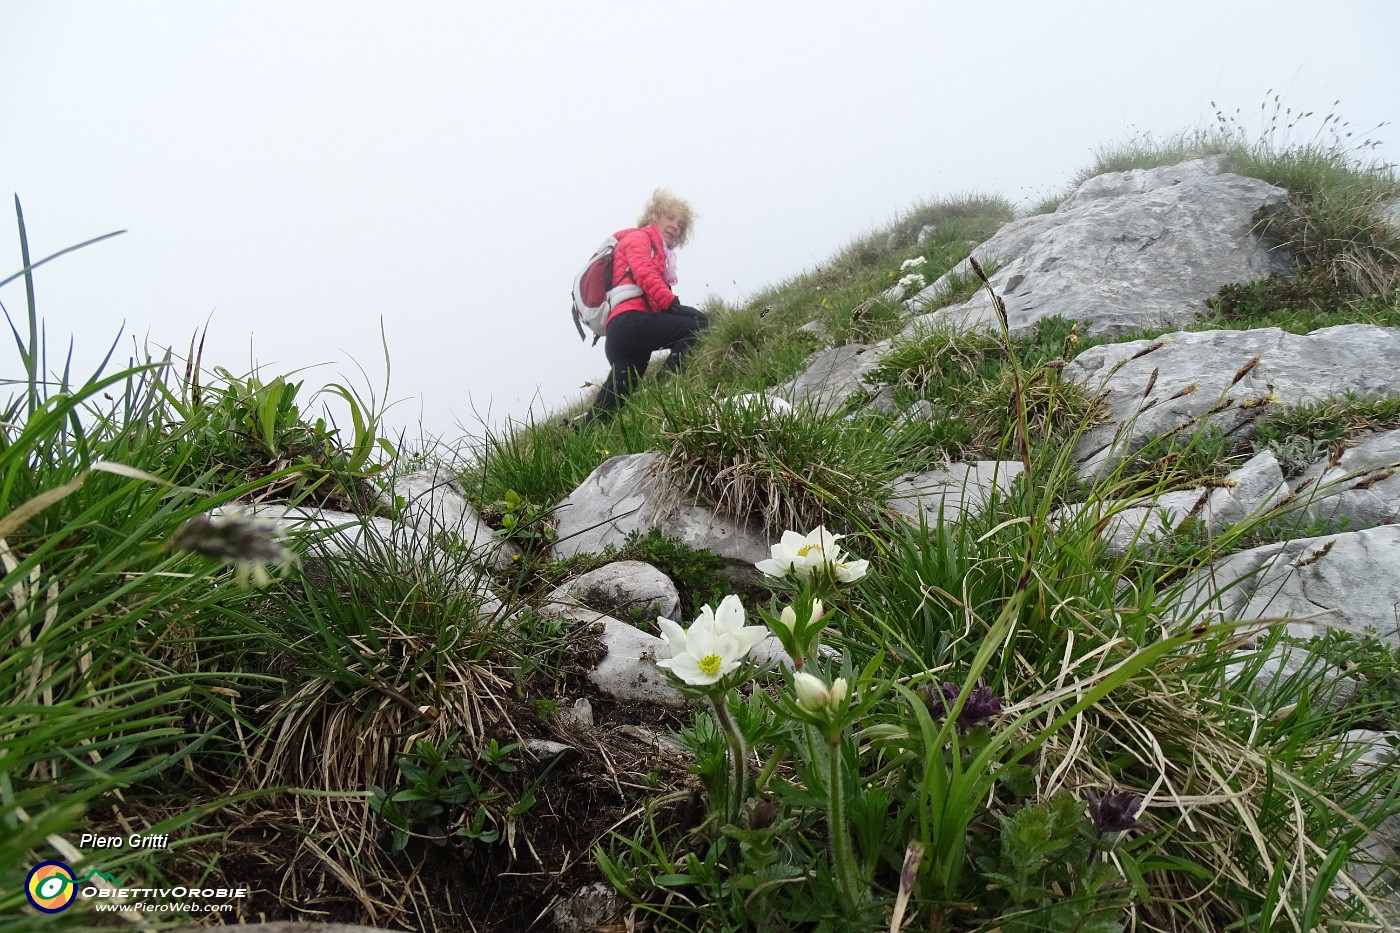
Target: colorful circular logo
column 51, row 887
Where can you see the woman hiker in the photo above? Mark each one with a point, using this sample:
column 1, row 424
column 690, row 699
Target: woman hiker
column 656, row 319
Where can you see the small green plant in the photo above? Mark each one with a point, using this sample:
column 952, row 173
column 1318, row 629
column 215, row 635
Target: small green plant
column 1329, row 421
column 696, row 572
column 521, row 521
column 1198, row 458
column 1375, row 668
column 244, row 428
column 1052, row 872
column 445, row 796
column 1295, row 454
column 496, row 755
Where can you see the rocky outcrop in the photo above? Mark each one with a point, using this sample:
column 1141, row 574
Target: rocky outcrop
column 1171, row 385
column 832, row 377
column 1126, row 251
column 622, row 588
column 628, row 670
column 433, row 501
column 1287, row 670
column 634, row 493
column 1349, row 582
column 1362, row 486
column 954, row 493
column 1250, row 491
column 382, row 541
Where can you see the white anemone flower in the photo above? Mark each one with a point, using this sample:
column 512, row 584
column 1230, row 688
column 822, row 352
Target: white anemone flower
column 713, row 647
column 802, row 555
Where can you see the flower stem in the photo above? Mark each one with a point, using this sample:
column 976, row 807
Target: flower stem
column 843, row 856
column 738, row 758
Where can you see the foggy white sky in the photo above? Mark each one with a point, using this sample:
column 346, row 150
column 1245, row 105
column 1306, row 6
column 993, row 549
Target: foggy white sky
column 297, row 171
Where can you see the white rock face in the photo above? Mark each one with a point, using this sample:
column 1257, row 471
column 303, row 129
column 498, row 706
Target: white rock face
column 1140, row 181
column 628, row 672
column 621, row 588
column 833, row 376
column 1362, row 487
column 1391, row 214
column 633, row 493
column 1127, row 251
column 1276, row 672
column 435, row 504
column 338, row 534
column 1375, row 863
column 961, row 490
column 1193, row 380
column 1346, row 581
column 758, row 401
column 1248, row 492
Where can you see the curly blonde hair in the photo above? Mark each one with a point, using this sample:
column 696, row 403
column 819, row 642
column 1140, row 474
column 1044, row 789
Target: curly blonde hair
column 663, row 203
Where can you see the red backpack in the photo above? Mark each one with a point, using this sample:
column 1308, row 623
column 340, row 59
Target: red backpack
column 594, row 294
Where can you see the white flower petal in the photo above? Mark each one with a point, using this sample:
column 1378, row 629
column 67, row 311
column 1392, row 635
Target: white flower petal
column 730, row 616
column 701, row 641
column 687, row 668
column 789, row 618
column 748, row 636
column 790, row 543
column 673, row 634
column 773, row 568
column 851, row 572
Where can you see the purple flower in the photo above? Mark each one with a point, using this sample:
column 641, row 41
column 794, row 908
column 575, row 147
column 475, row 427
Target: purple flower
column 1115, row 811
column 941, row 698
column 981, row 704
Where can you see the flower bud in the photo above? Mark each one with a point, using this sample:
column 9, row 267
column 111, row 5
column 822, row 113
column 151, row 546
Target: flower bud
column 812, row 694
column 788, row 618
column 839, row 691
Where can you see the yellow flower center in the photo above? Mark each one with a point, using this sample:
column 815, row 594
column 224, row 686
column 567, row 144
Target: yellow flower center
column 710, row 665
column 807, row 549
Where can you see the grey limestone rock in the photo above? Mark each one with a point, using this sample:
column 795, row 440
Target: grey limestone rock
column 1390, row 214
column 1249, row 491
column 628, row 671
column 1126, row 251
column 634, row 492
column 1252, row 490
column 833, row 376
column 1345, row 581
column 623, row 588
column 434, row 503
column 338, row 534
column 1214, row 377
column 959, row 490
column 1327, row 684
column 1363, row 486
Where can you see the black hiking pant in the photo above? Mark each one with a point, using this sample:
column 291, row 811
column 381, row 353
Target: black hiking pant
column 632, row 338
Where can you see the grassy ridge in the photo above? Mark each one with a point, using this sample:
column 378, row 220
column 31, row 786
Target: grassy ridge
column 349, row 737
